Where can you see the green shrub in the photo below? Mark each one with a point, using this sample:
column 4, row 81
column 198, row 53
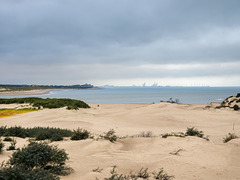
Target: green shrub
column 37, row 161
column 56, row 137
column 7, row 139
column 80, row 134
column 1, row 146
column 236, row 107
column 39, row 155
column 47, row 103
column 13, row 145
column 194, row 132
column 9, row 172
column 229, row 137
column 40, row 133
column 16, row 131
column 110, row 135
column 3, row 130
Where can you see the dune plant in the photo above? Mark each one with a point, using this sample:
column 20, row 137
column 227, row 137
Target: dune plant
column 229, row 137
column 236, row 107
column 10, row 172
column 147, row 134
column 110, row 135
column 194, row 132
column 176, row 134
column 40, row 156
column 142, row 174
column 40, row 133
column 7, row 139
column 13, row 145
column 1, row 146
column 47, row 103
column 80, row 134
column 161, row 175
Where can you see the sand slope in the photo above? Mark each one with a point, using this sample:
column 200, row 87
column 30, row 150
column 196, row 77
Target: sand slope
column 198, row 159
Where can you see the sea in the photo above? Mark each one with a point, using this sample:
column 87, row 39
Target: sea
column 144, row 95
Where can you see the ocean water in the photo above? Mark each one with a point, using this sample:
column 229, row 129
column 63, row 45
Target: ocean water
column 148, row 95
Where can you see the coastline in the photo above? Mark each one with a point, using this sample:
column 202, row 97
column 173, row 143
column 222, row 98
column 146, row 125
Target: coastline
column 31, row 92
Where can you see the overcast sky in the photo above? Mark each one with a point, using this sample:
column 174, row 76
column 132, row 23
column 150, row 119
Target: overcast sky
column 120, row 42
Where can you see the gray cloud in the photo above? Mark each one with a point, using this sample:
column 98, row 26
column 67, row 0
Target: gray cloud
column 120, row 34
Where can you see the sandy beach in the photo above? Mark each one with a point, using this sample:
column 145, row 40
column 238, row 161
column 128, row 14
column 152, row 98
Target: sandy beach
column 22, row 93
column 197, row 158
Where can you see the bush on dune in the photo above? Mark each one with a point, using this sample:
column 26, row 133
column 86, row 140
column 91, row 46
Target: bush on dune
column 1, row 146
column 39, row 155
column 80, row 134
column 110, row 135
column 229, row 137
column 40, row 133
column 47, row 103
column 8, row 172
column 194, row 132
column 36, row 161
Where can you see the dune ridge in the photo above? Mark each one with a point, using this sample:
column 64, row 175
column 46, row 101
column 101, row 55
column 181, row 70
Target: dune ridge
column 197, row 158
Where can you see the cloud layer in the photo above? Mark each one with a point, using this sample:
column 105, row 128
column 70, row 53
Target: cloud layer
column 57, row 41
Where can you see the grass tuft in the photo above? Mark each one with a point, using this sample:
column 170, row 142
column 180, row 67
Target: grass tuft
column 229, row 137
column 110, row 135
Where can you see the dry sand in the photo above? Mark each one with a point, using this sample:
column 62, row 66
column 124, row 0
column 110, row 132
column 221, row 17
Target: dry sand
column 198, row 159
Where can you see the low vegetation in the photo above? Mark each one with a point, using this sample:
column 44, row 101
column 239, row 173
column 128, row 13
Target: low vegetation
column 177, row 101
column 1, row 146
column 146, row 134
column 232, row 102
column 80, row 134
column 36, row 161
column 110, row 135
column 176, row 134
column 8, row 172
column 236, row 107
column 143, row 173
column 47, row 103
column 47, row 133
column 7, row 139
column 39, row 133
column 229, row 137
column 13, row 145
column 194, row 132
column 189, row 132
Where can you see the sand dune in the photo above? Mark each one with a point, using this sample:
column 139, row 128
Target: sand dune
column 197, row 159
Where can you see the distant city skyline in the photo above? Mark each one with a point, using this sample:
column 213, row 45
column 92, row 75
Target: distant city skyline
column 121, row 43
